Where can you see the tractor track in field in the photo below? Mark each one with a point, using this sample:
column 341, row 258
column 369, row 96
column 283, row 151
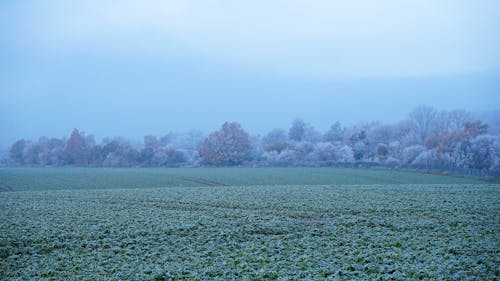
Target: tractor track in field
column 4, row 188
column 205, row 182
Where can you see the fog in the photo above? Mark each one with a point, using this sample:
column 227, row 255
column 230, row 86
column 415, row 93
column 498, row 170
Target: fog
column 149, row 67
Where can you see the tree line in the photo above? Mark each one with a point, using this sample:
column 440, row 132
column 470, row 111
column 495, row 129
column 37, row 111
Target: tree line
column 426, row 139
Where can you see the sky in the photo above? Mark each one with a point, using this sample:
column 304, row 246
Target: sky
column 131, row 68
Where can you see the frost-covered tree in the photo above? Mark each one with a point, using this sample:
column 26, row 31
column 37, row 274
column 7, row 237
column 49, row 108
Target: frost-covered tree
column 328, row 153
column 379, row 133
column 475, row 128
column 345, row 154
column 410, row 153
column 454, row 119
column 275, row 140
column 228, row 146
column 491, row 118
column 430, row 159
column 16, row 152
column 382, row 152
column 286, row 157
column 312, row 135
column 31, row 153
column 356, row 138
column 335, row 133
column 192, row 140
column 168, row 157
column 303, row 152
column 118, row 152
column 481, row 154
column 77, row 149
column 402, row 130
column 325, row 152
column 424, row 121
column 151, row 142
column 96, row 158
column 495, row 167
column 301, row 131
column 297, row 131
column 256, row 149
column 395, row 149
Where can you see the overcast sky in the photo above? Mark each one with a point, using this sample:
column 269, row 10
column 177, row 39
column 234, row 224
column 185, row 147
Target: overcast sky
column 131, row 68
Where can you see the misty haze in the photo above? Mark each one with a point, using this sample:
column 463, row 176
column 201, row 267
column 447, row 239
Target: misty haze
column 260, row 140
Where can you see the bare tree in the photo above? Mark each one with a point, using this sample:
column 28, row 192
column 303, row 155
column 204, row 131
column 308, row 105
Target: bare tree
column 423, row 119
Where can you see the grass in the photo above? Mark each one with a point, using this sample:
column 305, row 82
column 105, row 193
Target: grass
column 26, row 179
column 246, row 224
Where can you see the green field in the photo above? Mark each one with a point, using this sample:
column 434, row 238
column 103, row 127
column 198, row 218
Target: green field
column 246, row 224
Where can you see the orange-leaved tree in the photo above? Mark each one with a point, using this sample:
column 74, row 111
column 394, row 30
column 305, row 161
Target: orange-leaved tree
column 226, row 147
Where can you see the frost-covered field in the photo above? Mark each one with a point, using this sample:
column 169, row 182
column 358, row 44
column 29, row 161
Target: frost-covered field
column 286, row 224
